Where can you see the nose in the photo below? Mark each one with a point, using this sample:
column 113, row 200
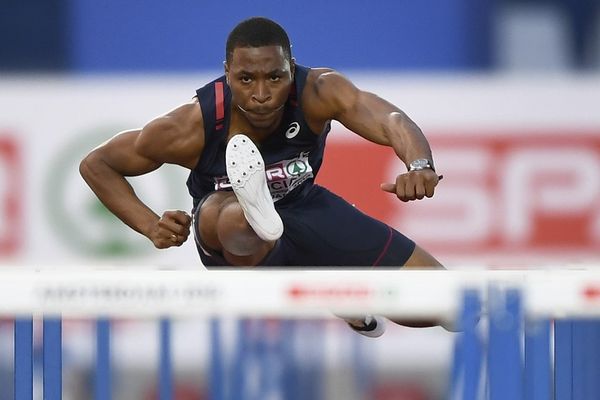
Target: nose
column 262, row 94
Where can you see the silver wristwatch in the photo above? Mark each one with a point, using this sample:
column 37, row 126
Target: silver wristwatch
column 420, row 164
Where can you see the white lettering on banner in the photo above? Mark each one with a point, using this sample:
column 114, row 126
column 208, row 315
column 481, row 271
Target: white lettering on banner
column 466, row 204
column 4, row 197
column 10, row 197
column 558, row 181
column 596, row 226
column 517, row 197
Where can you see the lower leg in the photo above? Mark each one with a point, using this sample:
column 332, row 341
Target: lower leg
column 373, row 326
column 420, row 260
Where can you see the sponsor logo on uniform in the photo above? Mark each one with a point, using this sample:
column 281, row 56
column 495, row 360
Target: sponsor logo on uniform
column 282, row 177
column 296, row 168
column 293, row 130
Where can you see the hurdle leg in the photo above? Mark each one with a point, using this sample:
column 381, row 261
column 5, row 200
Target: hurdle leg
column 538, row 368
column 292, row 390
column 465, row 380
column 263, row 355
column 593, row 371
column 6, row 376
column 52, row 364
column 586, row 362
column 103, row 378
column 563, row 360
column 504, row 353
column 576, row 359
column 579, row 348
column 241, row 358
column 593, row 367
column 23, row 359
column 217, row 360
column 166, row 369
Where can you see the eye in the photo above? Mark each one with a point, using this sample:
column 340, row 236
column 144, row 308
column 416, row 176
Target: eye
column 245, row 79
column 275, row 78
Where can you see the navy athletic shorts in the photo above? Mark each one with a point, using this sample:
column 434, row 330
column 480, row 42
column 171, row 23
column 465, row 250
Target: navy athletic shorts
column 321, row 229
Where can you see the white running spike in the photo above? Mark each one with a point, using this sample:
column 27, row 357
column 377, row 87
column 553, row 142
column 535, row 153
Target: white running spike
column 246, row 172
column 374, row 326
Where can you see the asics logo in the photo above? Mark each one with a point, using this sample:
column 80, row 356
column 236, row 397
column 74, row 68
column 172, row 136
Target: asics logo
column 293, row 130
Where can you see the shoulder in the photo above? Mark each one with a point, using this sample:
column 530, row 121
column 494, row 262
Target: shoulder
column 181, row 121
column 176, row 137
column 327, row 93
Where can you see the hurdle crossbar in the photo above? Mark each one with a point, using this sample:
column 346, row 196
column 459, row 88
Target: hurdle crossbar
column 143, row 293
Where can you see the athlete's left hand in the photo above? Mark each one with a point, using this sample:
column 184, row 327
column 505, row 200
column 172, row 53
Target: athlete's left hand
column 413, row 185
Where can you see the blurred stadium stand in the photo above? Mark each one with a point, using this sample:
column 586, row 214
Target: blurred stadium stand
column 155, row 36
column 33, row 35
column 577, row 19
column 115, row 36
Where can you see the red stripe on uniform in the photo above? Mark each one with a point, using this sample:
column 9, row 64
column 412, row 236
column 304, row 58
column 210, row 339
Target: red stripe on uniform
column 219, row 100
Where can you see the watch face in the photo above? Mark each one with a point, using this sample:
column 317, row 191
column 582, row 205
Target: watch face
column 420, row 163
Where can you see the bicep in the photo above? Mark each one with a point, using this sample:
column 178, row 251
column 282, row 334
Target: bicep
column 361, row 112
column 123, row 156
column 174, row 138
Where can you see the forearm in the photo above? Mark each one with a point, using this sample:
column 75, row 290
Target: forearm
column 381, row 122
column 115, row 192
column 406, row 138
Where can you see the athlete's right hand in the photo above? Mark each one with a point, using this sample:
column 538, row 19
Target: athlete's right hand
column 414, row 185
column 171, row 229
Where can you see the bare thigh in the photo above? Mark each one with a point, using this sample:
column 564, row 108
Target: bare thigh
column 223, row 228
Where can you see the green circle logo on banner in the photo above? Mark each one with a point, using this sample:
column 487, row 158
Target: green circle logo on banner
column 83, row 223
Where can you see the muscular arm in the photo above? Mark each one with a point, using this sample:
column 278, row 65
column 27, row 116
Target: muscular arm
column 335, row 97
column 370, row 116
column 175, row 138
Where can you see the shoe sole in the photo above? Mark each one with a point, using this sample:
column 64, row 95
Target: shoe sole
column 373, row 333
column 246, row 172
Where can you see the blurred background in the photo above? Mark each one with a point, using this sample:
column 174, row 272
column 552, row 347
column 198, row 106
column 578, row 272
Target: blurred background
column 507, row 91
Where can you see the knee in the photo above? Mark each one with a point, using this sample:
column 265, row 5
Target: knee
column 207, row 218
column 222, row 226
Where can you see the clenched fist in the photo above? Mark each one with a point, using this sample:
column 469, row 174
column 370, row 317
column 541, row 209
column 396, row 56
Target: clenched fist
column 171, row 229
column 413, row 185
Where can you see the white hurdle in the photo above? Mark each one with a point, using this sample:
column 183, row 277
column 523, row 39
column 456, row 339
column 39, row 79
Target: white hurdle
column 511, row 359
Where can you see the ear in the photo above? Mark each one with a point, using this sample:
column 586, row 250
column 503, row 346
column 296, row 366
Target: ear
column 293, row 67
column 226, row 68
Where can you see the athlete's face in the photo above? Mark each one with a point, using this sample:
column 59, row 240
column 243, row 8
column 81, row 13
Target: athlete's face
column 260, row 79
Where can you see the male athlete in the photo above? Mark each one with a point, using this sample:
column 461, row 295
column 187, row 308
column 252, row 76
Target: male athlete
column 253, row 141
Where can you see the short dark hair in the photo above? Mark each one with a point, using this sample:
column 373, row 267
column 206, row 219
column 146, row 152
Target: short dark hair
column 257, row 32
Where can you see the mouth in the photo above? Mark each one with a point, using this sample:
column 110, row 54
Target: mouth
column 260, row 113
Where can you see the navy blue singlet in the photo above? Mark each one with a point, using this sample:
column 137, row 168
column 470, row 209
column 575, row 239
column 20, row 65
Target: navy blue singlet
column 320, row 228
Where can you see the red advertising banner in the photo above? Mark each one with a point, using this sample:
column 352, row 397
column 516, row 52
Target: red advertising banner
column 504, row 192
column 11, row 201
